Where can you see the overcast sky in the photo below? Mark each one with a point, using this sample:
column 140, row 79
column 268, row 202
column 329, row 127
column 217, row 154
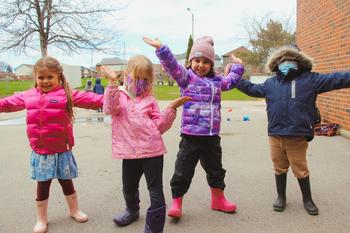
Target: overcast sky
column 171, row 22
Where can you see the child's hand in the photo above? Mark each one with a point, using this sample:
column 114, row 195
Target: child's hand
column 109, row 74
column 154, row 43
column 227, row 69
column 236, row 60
column 179, row 101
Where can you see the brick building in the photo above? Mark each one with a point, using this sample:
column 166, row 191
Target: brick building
column 323, row 32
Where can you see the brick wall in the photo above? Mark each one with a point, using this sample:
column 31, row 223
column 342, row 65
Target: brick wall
column 323, row 32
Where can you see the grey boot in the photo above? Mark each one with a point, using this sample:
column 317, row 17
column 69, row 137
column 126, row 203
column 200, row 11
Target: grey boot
column 309, row 205
column 281, row 183
column 131, row 213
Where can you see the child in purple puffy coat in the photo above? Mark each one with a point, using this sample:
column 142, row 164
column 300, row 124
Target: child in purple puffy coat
column 200, row 140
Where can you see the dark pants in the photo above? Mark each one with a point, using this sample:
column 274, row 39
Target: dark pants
column 207, row 149
column 132, row 172
column 43, row 188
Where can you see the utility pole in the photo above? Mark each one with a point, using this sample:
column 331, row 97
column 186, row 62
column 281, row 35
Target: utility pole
column 192, row 22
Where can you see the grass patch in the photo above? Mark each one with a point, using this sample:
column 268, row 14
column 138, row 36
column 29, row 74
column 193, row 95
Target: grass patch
column 160, row 92
column 10, row 87
column 172, row 92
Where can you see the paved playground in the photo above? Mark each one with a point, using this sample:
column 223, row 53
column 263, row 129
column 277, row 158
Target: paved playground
column 249, row 180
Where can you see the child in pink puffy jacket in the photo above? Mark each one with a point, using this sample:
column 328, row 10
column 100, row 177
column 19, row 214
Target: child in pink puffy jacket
column 50, row 113
column 137, row 128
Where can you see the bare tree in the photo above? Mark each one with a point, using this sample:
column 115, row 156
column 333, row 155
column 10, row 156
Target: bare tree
column 69, row 25
column 265, row 35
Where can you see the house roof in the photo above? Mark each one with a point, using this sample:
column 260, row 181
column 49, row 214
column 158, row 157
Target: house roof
column 26, row 65
column 239, row 49
column 112, row 61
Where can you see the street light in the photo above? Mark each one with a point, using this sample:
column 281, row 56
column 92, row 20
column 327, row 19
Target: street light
column 192, row 22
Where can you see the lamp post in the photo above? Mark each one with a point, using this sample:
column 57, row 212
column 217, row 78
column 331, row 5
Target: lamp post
column 192, row 22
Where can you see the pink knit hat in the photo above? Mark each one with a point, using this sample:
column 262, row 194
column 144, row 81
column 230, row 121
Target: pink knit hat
column 203, row 47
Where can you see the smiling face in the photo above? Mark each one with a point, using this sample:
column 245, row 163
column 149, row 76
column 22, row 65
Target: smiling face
column 201, row 66
column 46, row 79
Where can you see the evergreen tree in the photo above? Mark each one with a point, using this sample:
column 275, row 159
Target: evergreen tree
column 189, row 47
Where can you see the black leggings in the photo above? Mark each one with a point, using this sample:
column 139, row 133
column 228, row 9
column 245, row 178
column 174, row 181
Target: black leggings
column 133, row 169
column 43, row 188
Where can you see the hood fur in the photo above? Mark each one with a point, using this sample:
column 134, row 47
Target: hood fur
column 305, row 62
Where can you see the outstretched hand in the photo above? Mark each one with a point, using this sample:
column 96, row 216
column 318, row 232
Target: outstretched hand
column 109, row 74
column 154, row 43
column 236, row 60
column 179, row 102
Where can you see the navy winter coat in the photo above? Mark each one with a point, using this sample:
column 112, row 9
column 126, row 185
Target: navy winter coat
column 290, row 100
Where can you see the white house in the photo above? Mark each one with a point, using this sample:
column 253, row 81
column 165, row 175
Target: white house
column 115, row 64
column 24, row 71
column 181, row 58
column 72, row 73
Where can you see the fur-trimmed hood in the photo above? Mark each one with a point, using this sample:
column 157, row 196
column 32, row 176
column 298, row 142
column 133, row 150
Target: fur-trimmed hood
column 305, row 62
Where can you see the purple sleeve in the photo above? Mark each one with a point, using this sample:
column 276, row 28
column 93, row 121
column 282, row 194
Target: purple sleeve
column 232, row 79
column 171, row 66
column 13, row 103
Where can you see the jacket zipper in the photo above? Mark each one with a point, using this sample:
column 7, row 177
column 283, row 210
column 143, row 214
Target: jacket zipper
column 41, row 120
column 293, row 89
column 211, row 109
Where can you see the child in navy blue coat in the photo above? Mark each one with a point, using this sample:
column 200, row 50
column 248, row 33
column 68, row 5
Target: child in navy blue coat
column 98, row 89
column 291, row 111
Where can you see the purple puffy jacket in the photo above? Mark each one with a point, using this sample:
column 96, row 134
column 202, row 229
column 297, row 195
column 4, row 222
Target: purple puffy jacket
column 201, row 116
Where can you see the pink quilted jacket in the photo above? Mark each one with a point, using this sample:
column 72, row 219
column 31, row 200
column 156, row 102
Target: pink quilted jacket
column 49, row 128
column 137, row 125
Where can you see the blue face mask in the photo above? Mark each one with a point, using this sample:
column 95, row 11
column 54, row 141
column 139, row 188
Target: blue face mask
column 284, row 67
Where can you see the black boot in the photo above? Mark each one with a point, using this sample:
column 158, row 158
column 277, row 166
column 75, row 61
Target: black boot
column 131, row 213
column 281, row 183
column 155, row 220
column 309, row 205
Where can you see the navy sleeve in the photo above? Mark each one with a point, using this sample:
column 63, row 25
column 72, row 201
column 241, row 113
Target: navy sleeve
column 251, row 89
column 331, row 81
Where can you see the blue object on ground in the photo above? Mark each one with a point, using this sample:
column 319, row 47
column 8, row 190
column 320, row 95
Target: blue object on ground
column 246, row 118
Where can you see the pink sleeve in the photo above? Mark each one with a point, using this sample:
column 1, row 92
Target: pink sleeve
column 12, row 103
column 88, row 100
column 111, row 100
column 163, row 120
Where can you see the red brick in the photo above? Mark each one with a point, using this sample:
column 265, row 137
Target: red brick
column 323, row 32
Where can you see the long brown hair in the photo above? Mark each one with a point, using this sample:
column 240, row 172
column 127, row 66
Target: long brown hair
column 53, row 64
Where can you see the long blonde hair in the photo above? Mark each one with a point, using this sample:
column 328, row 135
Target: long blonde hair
column 53, row 64
column 140, row 67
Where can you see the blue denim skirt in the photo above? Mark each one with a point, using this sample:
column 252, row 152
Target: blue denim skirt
column 53, row 166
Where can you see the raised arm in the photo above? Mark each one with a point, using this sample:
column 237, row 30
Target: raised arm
column 233, row 73
column 169, row 62
column 12, row 103
column 111, row 95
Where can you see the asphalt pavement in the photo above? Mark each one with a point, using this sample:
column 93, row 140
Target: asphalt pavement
column 249, row 180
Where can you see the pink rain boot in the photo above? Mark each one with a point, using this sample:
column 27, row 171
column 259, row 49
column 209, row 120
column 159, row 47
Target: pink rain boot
column 74, row 211
column 41, row 212
column 219, row 202
column 175, row 210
